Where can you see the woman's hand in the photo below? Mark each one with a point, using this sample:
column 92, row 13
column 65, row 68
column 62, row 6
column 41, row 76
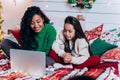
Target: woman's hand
column 67, row 57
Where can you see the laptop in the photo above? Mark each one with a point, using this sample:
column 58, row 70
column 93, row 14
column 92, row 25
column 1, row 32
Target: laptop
column 27, row 62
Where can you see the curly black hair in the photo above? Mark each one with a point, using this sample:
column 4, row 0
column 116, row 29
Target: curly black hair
column 26, row 32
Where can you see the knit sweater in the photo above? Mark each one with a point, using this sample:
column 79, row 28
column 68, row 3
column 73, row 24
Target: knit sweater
column 79, row 54
column 45, row 38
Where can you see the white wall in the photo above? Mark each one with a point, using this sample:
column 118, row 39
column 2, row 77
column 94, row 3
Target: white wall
column 13, row 12
column 105, row 12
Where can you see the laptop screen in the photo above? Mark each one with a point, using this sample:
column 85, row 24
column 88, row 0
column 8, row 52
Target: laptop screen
column 28, row 62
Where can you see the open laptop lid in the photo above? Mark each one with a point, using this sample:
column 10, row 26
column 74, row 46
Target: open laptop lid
column 28, row 62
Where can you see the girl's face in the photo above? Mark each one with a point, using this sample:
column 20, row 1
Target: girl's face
column 69, row 31
column 37, row 23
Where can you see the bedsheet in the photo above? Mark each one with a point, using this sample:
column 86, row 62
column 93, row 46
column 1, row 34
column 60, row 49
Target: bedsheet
column 104, row 71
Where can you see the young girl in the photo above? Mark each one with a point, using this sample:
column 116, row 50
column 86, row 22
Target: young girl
column 72, row 47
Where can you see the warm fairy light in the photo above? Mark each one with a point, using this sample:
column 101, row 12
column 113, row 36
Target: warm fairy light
column 46, row 6
column 65, row 0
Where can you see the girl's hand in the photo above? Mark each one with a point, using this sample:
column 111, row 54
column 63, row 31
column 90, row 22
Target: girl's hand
column 67, row 58
column 64, row 55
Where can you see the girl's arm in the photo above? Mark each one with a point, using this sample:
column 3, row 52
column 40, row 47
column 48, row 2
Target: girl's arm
column 58, row 45
column 81, row 53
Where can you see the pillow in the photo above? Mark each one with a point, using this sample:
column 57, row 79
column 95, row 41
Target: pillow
column 111, row 55
column 99, row 47
column 111, row 36
column 16, row 34
column 94, row 33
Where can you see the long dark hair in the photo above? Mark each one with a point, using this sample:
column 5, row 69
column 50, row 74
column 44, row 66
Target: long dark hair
column 26, row 32
column 78, row 32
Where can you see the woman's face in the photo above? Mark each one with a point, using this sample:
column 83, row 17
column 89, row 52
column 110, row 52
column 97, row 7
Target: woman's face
column 69, row 31
column 37, row 23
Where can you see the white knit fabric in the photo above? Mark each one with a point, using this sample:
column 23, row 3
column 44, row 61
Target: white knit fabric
column 79, row 55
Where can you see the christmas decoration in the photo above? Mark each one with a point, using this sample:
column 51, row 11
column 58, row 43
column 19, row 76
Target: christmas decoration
column 83, row 4
column 80, row 17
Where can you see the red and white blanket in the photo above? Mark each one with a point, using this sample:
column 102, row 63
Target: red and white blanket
column 104, row 71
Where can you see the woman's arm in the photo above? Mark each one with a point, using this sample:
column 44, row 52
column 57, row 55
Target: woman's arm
column 51, row 38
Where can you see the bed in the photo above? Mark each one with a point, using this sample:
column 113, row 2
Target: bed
column 104, row 44
column 100, row 72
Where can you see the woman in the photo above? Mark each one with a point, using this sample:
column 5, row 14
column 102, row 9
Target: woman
column 36, row 33
column 72, row 47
